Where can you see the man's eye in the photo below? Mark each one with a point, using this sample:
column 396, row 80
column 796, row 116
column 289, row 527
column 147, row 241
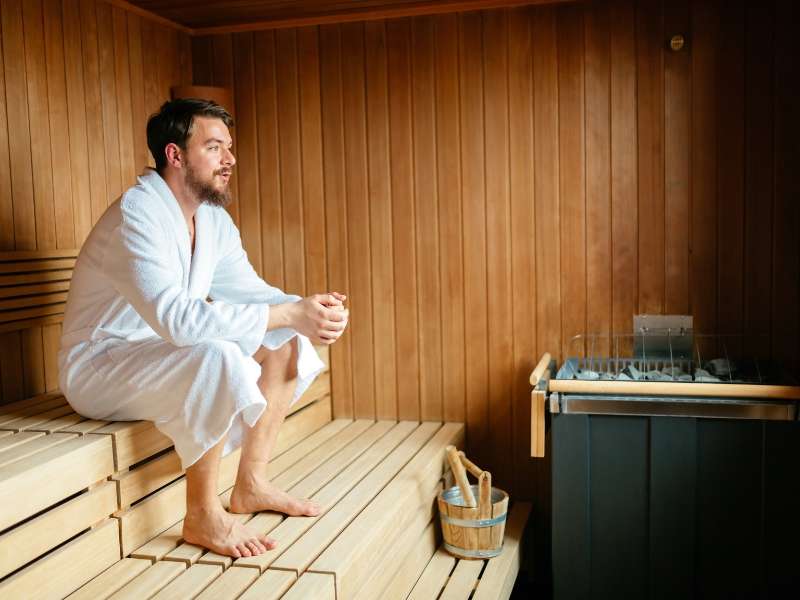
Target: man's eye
column 214, row 148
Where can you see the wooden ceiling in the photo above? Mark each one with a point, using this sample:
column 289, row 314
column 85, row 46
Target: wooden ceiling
column 214, row 16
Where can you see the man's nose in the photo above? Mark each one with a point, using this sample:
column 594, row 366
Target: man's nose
column 228, row 158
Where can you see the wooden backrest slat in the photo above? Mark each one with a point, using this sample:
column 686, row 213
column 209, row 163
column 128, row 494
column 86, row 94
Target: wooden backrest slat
column 34, row 286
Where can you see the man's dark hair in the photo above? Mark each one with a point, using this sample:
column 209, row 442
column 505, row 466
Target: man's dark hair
column 172, row 124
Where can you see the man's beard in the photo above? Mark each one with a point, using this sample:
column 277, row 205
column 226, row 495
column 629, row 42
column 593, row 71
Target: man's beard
column 205, row 190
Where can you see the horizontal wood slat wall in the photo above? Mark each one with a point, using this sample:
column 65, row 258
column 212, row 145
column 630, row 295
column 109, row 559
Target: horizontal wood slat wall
column 78, row 79
column 486, row 185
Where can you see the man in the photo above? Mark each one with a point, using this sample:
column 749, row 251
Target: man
column 168, row 322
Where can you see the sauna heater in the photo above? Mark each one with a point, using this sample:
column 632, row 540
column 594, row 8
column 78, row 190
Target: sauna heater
column 674, row 467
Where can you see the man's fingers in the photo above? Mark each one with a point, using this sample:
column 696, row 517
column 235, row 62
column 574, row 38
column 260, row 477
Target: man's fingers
column 337, row 315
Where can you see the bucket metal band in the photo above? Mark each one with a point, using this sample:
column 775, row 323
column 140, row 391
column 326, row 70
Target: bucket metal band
column 473, row 553
column 474, row 522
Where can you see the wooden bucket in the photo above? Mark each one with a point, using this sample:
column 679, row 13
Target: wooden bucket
column 472, row 532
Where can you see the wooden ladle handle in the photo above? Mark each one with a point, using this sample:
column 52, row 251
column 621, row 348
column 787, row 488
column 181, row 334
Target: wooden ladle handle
column 460, row 475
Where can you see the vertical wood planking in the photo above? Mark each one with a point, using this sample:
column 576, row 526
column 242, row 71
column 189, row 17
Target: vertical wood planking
column 202, row 61
column 32, row 359
column 759, row 177
column 6, row 202
column 290, row 162
column 108, row 95
column 474, row 231
column 122, row 75
column 11, row 367
column 546, row 182
column 51, row 337
column 38, row 110
column 17, row 113
column 269, row 173
column 401, row 136
column 521, row 174
column 152, row 97
column 380, row 220
column 59, row 124
column 76, row 111
column 731, row 168
column 94, row 108
column 358, row 240
column 138, row 112
column 247, row 152
column 597, row 77
column 650, row 146
column 427, row 221
column 311, row 147
column 333, row 153
column 448, row 174
column 704, row 68
column 224, row 77
column 572, row 176
column 677, row 160
column 623, row 167
column 498, row 239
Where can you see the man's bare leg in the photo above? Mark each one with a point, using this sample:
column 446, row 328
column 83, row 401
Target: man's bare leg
column 253, row 492
column 207, row 523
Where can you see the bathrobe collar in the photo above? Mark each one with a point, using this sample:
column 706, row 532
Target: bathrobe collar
column 193, row 266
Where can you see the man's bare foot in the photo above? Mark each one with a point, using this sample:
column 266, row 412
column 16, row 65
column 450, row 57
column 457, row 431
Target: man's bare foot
column 223, row 533
column 262, row 495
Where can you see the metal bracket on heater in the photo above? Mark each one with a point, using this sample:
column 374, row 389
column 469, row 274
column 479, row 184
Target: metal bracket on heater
column 664, row 336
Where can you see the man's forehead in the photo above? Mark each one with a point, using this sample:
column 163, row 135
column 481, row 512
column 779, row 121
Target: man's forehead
column 205, row 129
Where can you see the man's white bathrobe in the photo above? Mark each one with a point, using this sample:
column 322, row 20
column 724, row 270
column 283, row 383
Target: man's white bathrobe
column 153, row 332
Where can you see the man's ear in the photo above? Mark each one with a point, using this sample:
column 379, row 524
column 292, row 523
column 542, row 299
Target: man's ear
column 174, row 155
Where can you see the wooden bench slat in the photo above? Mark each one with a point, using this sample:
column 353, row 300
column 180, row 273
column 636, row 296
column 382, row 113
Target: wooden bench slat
column 15, row 438
column 52, row 475
column 462, row 581
column 58, row 424
column 350, row 556
column 394, row 552
column 84, row 427
column 501, row 571
column 133, row 441
column 353, row 464
column 230, row 585
column 159, row 546
column 28, row 402
column 190, row 583
column 111, row 580
column 136, row 484
column 8, row 418
column 396, row 449
column 66, row 568
column 41, row 420
column 269, row 586
column 32, row 322
column 434, row 577
column 320, row 586
column 405, row 559
column 34, row 446
column 151, row 581
column 30, row 540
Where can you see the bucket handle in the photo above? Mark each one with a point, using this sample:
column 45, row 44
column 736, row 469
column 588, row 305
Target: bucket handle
column 460, row 475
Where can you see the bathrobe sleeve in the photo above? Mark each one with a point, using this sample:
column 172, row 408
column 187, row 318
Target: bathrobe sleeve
column 235, row 281
column 142, row 265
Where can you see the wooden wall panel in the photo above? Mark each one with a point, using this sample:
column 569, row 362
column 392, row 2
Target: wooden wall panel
column 75, row 94
column 496, row 182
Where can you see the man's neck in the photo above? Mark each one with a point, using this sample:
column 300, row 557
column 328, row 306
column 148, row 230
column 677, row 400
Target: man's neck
column 187, row 201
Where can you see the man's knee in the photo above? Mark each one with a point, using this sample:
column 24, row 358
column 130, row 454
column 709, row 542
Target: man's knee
column 282, row 360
